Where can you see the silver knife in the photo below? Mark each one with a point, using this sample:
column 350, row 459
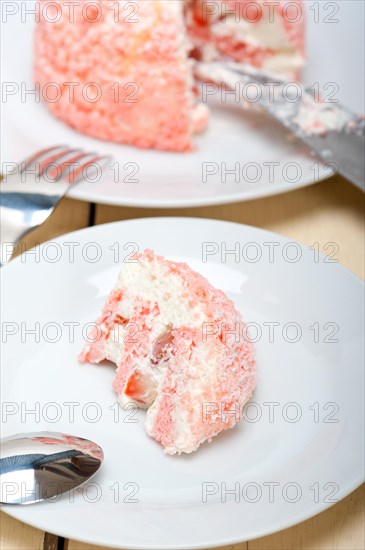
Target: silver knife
column 330, row 130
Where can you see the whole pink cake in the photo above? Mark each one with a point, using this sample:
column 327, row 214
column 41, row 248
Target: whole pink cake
column 124, row 70
column 180, row 351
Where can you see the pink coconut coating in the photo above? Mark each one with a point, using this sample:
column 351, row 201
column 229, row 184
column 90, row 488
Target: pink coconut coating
column 141, row 69
column 179, row 354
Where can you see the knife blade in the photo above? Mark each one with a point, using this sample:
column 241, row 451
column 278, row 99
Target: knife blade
column 330, row 130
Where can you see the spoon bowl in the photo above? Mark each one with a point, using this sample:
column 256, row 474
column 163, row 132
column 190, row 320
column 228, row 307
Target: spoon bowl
column 42, row 465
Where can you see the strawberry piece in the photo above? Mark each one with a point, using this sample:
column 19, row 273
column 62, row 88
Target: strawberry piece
column 161, row 345
column 119, row 320
column 139, row 387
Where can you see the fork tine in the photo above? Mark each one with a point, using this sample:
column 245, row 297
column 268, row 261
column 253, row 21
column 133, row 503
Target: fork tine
column 37, row 156
column 27, row 204
column 78, row 174
column 60, row 156
column 64, row 168
column 84, row 159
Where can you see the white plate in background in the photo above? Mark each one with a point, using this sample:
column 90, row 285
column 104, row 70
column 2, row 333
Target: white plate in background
column 249, row 141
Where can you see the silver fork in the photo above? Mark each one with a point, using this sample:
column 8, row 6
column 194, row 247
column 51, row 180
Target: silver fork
column 29, row 194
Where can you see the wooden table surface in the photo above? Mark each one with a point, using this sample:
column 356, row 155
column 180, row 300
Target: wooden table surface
column 331, row 211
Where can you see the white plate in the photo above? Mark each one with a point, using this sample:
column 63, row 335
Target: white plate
column 335, row 56
column 318, row 379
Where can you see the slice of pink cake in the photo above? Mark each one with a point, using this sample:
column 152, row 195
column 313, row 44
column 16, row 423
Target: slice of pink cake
column 180, row 351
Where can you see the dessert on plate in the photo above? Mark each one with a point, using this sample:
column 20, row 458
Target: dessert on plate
column 180, row 350
column 123, row 71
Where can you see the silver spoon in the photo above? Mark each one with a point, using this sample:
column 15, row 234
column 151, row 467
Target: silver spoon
column 42, row 465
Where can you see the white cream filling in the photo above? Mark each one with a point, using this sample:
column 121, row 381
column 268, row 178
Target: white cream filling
column 284, row 63
column 316, row 118
column 155, row 283
column 264, row 34
column 139, row 282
